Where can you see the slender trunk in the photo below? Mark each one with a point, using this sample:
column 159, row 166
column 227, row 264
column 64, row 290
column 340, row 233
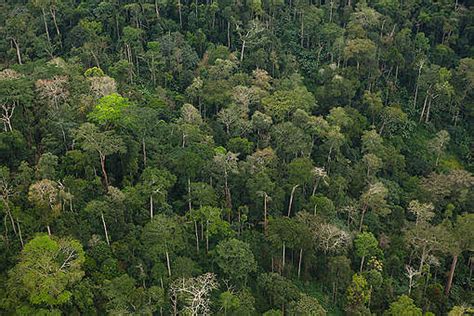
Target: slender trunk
column 364, row 209
column 189, row 194
column 151, row 206
column 53, row 15
column 265, row 222
column 144, row 151
column 299, row 262
column 291, row 198
column 18, row 52
column 228, row 34
column 427, row 117
column 283, row 258
column 361, row 264
column 46, row 26
column 180, row 14
column 48, row 229
column 104, row 172
column 207, row 236
column 19, row 233
column 197, row 236
column 105, row 229
column 157, row 10
column 451, row 275
column 315, row 187
column 168, row 263
column 422, row 260
column 241, row 52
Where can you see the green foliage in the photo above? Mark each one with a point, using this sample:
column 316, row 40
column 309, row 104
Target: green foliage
column 235, row 259
column 47, row 270
column 403, row 306
column 110, row 109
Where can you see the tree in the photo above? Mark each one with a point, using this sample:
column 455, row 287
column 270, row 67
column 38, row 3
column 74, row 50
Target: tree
column 463, row 241
column 103, row 143
column 125, row 298
column 277, row 290
column 307, row 305
column 110, row 109
column 437, row 145
column 155, row 184
column 163, row 235
column 358, row 294
column 44, row 194
column 365, row 245
column 194, row 293
column 235, row 259
column 226, row 164
column 374, row 199
column 15, row 93
column 48, row 269
column 404, row 306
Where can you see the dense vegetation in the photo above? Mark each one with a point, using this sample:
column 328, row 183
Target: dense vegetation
column 236, row 157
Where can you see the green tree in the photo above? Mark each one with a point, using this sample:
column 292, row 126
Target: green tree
column 358, row 294
column 235, row 259
column 47, row 270
column 103, row 143
column 365, row 245
column 404, row 306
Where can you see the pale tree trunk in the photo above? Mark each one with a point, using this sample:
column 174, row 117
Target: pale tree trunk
column 19, row 233
column 46, row 26
column 451, row 275
column 53, row 15
column 48, row 229
column 104, row 171
column 180, row 14
column 197, row 236
column 364, row 209
column 18, row 53
column 291, row 198
column 144, row 151
column 361, row 264
column 299, row 262
column 242, row 52
column 151, row 206
column 168, row 265
column 283, row 258
column 189, row 195
column 265, row 221
column 105, row 229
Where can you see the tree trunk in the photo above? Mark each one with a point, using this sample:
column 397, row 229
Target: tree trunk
column 361, row 264
column 265, row 221
column 151, row 206
column 207, row 236
column 46, row 26
column 104, row 172
column 291, row 198
column 48, row 229
column 180, row 14
column 364, row 209
column 242, row 52
column 168, row 263
column 299, row 262
column 19, row 233
column 144, row 151
column 18, row 53
column 189, row 195
column 228, row 34
column 53, row 15
column 283, row 258
column 197, row 236
column 105, row 229
column 451, row 275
